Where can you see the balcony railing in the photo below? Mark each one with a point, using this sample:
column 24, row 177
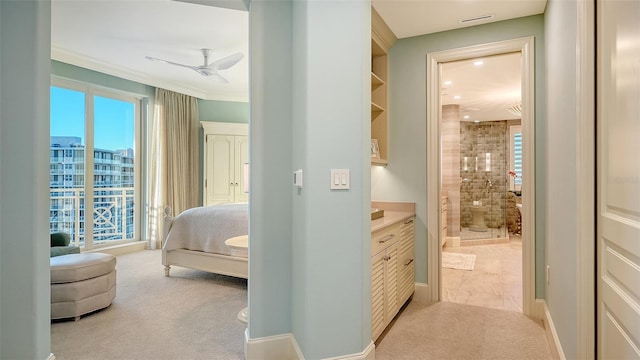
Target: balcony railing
column 112, row 212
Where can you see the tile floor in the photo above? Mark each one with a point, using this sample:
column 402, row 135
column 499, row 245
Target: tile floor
column 496, row 280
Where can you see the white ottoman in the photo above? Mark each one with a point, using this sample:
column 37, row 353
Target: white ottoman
column 81, row 283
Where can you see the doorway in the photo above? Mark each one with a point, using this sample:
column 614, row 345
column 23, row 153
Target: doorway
column 435, row 166
column 481, row 142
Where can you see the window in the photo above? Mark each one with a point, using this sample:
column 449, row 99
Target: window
column 515, row 158
column 106, row 124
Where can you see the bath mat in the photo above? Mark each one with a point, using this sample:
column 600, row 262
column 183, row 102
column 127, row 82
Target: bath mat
column 458, row 261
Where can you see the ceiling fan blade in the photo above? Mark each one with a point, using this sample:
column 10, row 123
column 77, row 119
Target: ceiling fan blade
column 171, row 62
column 226, row 62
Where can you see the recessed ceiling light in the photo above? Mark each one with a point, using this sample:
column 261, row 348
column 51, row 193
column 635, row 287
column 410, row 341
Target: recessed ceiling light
column 466, row 116
column 448, row 82
column 476, row 121
column 478, row 63
column 457, row 97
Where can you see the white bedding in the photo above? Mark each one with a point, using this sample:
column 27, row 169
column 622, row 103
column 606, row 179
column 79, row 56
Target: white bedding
column 206, row 228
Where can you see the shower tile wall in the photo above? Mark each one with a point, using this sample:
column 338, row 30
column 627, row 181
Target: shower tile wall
column 450, row 130
column 476, row 140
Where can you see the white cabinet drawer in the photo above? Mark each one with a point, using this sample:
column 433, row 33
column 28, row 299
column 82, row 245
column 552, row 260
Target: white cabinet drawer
column 384, row 238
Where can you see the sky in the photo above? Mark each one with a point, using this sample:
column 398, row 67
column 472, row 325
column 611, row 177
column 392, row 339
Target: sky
column 113, row 124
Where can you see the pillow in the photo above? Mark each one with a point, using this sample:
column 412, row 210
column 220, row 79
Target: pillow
column 60, row 239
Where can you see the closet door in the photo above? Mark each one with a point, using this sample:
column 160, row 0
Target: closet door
column 618, row 178
column 241, row 171
column 220, row 177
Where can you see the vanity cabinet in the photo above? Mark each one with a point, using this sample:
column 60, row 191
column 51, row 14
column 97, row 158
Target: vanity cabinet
column 226, row 160
column 392, row 272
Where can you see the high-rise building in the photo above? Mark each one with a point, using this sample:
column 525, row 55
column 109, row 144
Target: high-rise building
column 113, row 188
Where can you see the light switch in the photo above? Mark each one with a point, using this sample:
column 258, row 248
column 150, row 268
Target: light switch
column 340, row 179
column 297, row 178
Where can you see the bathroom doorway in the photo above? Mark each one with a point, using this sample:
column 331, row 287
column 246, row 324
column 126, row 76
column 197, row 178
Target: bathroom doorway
column 482, row 223
column 480, row 98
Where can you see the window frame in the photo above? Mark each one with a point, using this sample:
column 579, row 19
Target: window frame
column 90, row 91
column 513, row 131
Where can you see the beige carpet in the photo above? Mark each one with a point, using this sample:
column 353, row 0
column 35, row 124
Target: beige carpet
column 455, row 331
column 190, row 315
column 451, row 260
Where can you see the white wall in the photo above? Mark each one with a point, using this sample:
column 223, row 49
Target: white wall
column 24, row 181
column 561, row 209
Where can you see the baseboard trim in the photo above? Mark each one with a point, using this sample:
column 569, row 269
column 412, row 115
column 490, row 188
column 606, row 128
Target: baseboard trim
column 422, row 293
column 369, row 353
column 121, row 249
column 278, row 347
column 285, row 347
column 552, row 335
column 538, row 309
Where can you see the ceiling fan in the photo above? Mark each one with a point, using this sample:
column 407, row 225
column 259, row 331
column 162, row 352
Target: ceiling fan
column 207, row 69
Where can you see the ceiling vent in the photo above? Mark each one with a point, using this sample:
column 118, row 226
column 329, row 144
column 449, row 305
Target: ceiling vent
column 476, row 19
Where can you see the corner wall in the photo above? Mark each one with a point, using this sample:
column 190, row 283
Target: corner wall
column 24, row 184
column 309, row 266
column 561, row 209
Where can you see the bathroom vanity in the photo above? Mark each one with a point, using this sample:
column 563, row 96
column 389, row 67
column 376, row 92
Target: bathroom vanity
column 392, row 262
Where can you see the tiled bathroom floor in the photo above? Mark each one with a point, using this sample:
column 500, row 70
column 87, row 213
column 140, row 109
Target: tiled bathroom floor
column 496, row 280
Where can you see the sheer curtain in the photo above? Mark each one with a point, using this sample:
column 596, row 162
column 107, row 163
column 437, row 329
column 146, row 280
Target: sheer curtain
column 174, row 160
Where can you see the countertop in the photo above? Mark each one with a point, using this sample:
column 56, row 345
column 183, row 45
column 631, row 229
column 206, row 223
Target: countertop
column 390, row 218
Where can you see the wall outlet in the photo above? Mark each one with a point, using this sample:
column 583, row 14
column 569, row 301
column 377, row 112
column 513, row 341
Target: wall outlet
column 548, row 275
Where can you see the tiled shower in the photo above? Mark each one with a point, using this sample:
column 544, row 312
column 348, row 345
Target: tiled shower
column 483, row 174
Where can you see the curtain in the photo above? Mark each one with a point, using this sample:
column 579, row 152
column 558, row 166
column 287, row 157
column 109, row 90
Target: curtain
column 174, row 164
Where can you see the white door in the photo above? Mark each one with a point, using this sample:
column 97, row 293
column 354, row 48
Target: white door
column 241, row 162
column 220, row 179
column 618, row 176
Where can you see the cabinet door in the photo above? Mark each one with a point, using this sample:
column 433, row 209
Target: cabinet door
column 241, row 172
column 392, row 303
column 220, row 169
column 377, row 295
column 406, row 262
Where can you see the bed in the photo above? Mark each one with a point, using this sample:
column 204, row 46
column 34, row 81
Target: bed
column 195, row 239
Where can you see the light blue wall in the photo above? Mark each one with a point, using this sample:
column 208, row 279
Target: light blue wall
column 309, row 252
column 270, row 265
column 405, row 178
column 561, row 209
column 331, row 229
column 24, row 184
column 223, row 111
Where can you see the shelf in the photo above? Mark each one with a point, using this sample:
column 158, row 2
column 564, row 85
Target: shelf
column 376, row 108
column 375, row 80
column 379, row 162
